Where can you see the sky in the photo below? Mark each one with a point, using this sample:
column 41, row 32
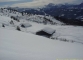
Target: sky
column 34, row 3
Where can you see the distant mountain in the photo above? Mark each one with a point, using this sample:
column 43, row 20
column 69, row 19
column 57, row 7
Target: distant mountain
column 67, row 12
column 81, row 4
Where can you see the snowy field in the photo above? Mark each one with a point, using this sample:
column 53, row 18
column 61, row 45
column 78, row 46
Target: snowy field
column 15, row 45
column 63, row 32
column 66, row 42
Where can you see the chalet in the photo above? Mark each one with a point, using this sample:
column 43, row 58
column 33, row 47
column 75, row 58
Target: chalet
column 46, row 32
column 25, row 25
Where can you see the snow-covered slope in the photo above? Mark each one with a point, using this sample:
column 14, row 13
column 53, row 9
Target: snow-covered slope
column 30, row 17
column 63, row 33
column 44, row 19
column 4, row 20
column 65, row 43
column 16, row 45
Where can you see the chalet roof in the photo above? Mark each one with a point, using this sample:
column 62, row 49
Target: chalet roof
column 26, row 24
column 48, row 30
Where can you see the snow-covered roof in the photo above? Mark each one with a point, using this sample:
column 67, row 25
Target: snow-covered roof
column 48, row 30
column 26, row 24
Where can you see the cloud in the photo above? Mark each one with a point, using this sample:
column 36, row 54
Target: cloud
column 7, row 0
column 11, row 2
column 40, row 3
